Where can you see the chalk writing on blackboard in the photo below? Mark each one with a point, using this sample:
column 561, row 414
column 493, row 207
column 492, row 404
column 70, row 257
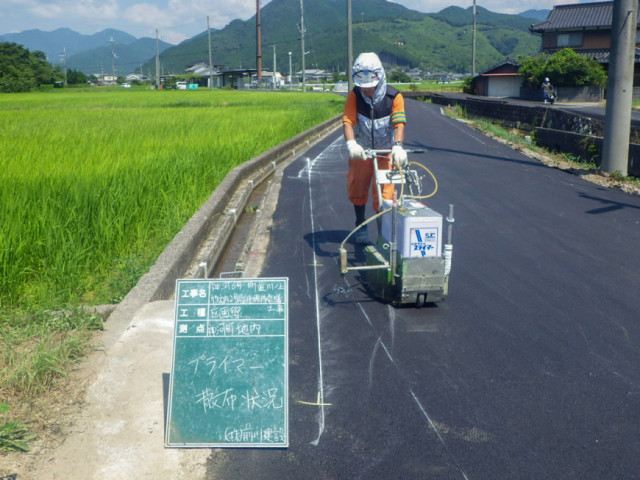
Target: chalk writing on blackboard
column 229, row 379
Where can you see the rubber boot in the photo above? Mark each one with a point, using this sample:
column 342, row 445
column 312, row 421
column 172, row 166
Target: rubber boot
column 359, row 209
column 361, row 236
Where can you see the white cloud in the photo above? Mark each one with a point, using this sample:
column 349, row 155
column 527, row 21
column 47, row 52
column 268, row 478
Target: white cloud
column 220, row 12
column 146, row 14
column 72, row 10
column 500, row 6
column 103, row 9
column 178, row 20
column 47, row 11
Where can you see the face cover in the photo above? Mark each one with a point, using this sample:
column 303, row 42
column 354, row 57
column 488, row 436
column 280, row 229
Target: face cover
column 367, row 70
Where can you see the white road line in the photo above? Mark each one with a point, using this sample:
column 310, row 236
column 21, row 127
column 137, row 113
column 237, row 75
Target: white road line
column 317, row 299
column 308, row 168
column 380, row 343
column 467, row 131
column 426, row 415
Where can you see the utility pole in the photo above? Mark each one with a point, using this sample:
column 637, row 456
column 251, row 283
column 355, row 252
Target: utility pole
column 615, row 150
column 274, row 66
column 258, row 44
column 349, row 45
column 290, row 72
column 473, row 41
column 113, row 59
column 210, row 61
column 63, row 57
column 157, row 61
column 304, row 73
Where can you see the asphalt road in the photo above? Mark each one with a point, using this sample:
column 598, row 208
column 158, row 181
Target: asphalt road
column 530, row 369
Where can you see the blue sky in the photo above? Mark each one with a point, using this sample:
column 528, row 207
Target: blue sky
column 178, row 20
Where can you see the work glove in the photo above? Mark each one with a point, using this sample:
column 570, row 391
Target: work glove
column 356, row 150
column 399, row 156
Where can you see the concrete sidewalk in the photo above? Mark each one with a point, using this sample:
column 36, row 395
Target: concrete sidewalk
column 120, row 431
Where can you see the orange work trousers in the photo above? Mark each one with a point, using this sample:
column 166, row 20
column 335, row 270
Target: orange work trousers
column 360, row 180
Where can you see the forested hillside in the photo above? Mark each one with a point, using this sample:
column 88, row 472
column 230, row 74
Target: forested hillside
column 405, row 38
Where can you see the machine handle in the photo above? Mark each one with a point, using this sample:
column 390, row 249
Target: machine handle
column 375, row 153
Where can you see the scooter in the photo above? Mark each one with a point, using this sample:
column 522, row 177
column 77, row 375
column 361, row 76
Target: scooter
column 409, row 264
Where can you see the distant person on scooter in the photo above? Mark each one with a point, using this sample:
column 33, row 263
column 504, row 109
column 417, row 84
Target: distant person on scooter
column 548, row 92
column 374, row 118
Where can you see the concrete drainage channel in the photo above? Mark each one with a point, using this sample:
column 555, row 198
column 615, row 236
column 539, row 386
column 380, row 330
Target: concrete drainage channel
column 197, row 249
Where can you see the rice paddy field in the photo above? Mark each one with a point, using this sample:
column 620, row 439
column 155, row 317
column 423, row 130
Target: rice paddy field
column 93, row 185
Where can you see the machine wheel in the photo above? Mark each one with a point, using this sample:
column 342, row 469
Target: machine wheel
column 421, row 298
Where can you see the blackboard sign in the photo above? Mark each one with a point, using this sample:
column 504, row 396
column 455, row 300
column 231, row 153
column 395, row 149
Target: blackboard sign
column 229, row 379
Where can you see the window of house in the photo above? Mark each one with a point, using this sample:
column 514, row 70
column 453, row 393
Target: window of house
column 570, row 39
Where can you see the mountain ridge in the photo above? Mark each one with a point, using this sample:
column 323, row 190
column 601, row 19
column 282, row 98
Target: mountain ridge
column 403, row 37
column 55, row 42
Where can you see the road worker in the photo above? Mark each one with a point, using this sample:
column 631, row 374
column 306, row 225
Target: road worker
column 374, row 118
column 548, row 92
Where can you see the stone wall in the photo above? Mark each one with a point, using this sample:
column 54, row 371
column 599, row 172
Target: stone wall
column 586, row 147
column 554, row 128
column 526, row 117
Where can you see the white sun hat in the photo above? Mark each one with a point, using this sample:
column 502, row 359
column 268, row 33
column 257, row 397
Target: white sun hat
column 367, row 70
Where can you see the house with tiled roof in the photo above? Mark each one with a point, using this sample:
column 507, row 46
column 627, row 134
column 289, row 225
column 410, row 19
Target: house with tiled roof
column 583, row 27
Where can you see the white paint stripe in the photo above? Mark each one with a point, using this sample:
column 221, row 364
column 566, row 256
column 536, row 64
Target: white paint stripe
column 467, row 131
column 426, row 415
column 306, row 172
column 384, row 347
column 317, row 298
column 381, row 343
column 371, row 362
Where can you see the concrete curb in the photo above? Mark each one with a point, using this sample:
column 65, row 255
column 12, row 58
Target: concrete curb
column 212, row 223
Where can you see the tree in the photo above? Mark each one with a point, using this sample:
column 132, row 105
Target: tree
column 565, row 68
column 470, row 85
column 399, row 77
column 338, row 77
column 76, row 77
column 21, row 70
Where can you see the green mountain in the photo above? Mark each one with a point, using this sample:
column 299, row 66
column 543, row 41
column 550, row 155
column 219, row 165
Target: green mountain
column 123, row 58
column 64, row 40
column 539, row 15
column 403, row 38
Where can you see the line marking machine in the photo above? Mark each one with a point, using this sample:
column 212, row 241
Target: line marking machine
column 409, row 264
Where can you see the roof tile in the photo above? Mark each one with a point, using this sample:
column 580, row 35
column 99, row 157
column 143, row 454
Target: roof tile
column 578, row 16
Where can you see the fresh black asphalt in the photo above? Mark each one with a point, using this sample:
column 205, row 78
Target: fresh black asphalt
column 530, row 369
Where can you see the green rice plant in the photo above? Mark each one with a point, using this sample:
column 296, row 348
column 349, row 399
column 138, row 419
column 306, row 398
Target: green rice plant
column 90, row 179
column 93, row 185
column 431, row 86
